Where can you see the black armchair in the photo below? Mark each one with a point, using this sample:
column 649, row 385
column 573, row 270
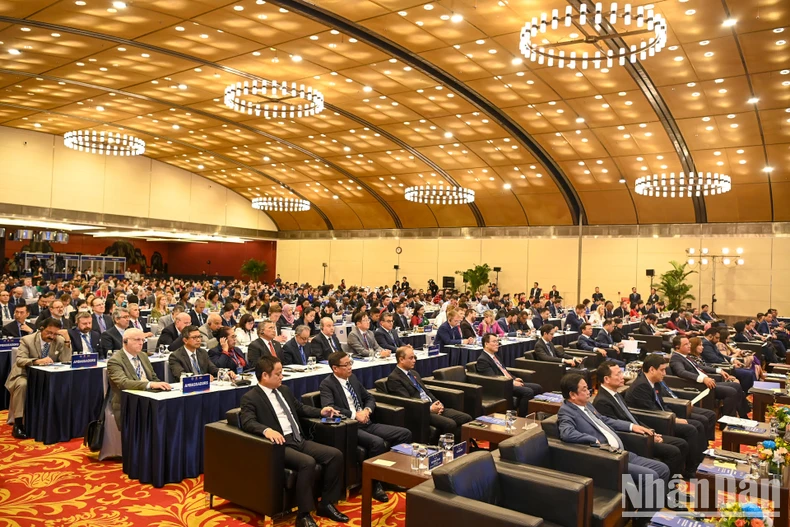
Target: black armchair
column 641, row 445
column 416, row 412
column 265, row 459
column 599, row 470
column 688, row 389
column 547, row 374
column 474, row 490
column 482, row 395
column 353, row 453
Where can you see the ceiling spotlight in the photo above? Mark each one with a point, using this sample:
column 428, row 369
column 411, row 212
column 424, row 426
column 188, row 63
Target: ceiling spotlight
column 182, row 87
column 507, row 186
column 739, row 250
column 238, row 8
column 691, row 250
column 119, row 5
column 768, row 169
column 347, row 149
column 367, row 89
column 729, row 22
column 726, row 261
column 296, row 58
column 100, row 108
column 428, row 7
column 691, row 261
column 80, row 2
column 448, row 135
column 704, row 250
column 456, row 18
column 725, row 250
column 753, row 100
column 516, row 61
column 739, row 261
column 703, row 261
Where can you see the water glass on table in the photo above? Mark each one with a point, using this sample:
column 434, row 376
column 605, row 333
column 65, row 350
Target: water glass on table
column 415, row 460
column 510, row 420
column 447, row 442
column 310, row 363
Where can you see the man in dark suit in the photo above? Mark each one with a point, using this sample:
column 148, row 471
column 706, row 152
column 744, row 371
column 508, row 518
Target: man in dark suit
column 575, row 319
column 196, row 315
column 171, row 334
column 634, row 297
column 265, row 344
column 597, row 296
column 535, row 292
column 579, row 422
column 136, row 322
column 406, row 382
column 543, row 318
column 545, row 350
column 400, row 318
column 18, row 327
column 101, row 322
column 653, row 297
column 271, row 411
column 112, row 339
column 298, row 349
column 711, row 355
column 585, row 342
column 509, row 322
column 673, row 451
column 647, row 393
column 326, row 342
column 6, row 308
column 554, row 293
column 449, row 333
column 488, row 364
column 57, row 311
column 741, row 335
column 623, row 311
column 83, row 338
column 42, row 305
column 730, row 393
column 191, row 358
column 343, row 392
column 386, row 335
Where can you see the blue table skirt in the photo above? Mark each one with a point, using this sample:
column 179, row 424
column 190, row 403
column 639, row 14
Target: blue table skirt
column 60, row 405
column 159, row 369
column 415, row 341
column 163, row 439
column 367, row 376
column 5, row 369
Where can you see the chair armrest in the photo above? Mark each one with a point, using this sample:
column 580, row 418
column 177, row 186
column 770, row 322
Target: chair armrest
column 450, row 398
column 425, row 505
column 604, row 467
column 641, row 445
column 388, row 414
column 494, row 387
column 416, row 413
column 327, row 434
column 680, row 407
column 524, row 375
column 473, row 393
column 544, row 493
column 581, row 353
column 661, row 422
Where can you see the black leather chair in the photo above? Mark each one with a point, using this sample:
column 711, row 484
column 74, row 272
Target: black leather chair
column 641, row 445
column 649, row 343
column 687, row 389
column 264, row 459
column 524, row 375
column 474, row 490
column 548, row 374
column 601, row 471
column 417, row 413
column 353, row 453
column 482, row 395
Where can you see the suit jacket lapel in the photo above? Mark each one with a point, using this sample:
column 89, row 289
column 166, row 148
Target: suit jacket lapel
column 343, row 402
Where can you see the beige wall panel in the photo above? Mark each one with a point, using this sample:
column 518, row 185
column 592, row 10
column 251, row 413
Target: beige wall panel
column 456, row 255
column 512, row 256
column 23, row 164
column 554, row 262
column 127, row 186
column 288, row 259
column 378, row 259
column 170, row 196
column 207, row 203
column 418, row 262
column 72, row 175
column 345, row 261
column 656, row 253
column 239, row 213
column 780, row 266
column 310, row 259
column 609, row 263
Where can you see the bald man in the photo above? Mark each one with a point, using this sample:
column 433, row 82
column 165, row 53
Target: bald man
column 208, row 330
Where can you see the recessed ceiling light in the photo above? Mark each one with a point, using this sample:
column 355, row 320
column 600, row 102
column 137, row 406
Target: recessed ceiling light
column 704, row 42
column 480, row 41
column 678, row 59
column 37, row 125
column 145, row 55
column 768, row 169
column 729, row 22
column 723, row 90
column 690, row 12
column 182, row 87
column 25, row 29
column 296, row 58
column 709, row 54
column 709, row 128
column 779, row 30
column 705, row 119
column 100, row 108
column 80, row 2
column 734, row 125
column 428, row 7
column 456, row 18
column 781, row 42
column 402, row 13
column 691, row 84
column 492, row 51
column 112, row 10
column 753, row 100
column 176, row 127
column 507, row 186
column 718, row 81
column 445, row 17
column 119, row 5
column 516, row 61
column 448, row 135
column 13, row 51
column 367, row 89
column 580, row 119
column 179, row 28
column 238, row 8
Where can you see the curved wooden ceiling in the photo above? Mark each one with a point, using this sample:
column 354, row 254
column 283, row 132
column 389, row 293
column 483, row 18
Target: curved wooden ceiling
column 539, row 145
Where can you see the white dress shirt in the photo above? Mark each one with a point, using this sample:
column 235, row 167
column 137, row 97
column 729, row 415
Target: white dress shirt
column 285, row 424
column 132, row 360
column 350, row 400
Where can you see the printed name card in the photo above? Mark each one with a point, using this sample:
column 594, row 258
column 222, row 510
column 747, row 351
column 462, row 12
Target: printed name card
column 196, row 383
column 459, row 450
column 428, row 328
column 84, row 360
column 435, row 460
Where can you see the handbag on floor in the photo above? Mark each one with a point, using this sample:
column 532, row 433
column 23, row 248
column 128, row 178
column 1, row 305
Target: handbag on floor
column 94, row 434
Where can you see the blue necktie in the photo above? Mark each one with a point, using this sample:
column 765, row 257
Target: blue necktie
column 87, row 343
column 670, row 392
column 301, row 352
column 137, row 369
column 45, row 350
column 102, row 325
column 423, row 395
column 354, row 397
column 195, row 365
column 658, row 400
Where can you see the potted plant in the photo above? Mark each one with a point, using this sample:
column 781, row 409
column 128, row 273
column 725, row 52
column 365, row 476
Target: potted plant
column 737, row 514
column 476, row 277
column 782, row 415
column 673, row 285
column 254, row 268
column 775, row 454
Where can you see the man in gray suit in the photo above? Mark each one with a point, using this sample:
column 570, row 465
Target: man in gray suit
column 213, row 323
column 50, row 344
column 131, row 370
column 362, row 341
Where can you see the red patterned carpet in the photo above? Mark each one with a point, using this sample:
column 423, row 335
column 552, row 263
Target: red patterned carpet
column 65, row 485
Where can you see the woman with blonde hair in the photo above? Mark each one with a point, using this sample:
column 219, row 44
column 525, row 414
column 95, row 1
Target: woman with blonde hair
column 159, row 310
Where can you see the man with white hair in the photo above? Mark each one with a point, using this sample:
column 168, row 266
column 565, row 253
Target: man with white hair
column 207, row 330
column 482, row 306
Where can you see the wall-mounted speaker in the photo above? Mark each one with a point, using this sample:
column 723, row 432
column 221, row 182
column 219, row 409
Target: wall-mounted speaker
column 448, row 282
column 650, row 272
column 396, row 267
column 497, row 269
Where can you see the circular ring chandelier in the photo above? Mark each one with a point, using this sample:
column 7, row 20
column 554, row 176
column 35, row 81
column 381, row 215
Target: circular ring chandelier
column 642, row 20
column 277, row 204
column 272, row 89
column 684, row 185
column 108, row 143
column 440, row 195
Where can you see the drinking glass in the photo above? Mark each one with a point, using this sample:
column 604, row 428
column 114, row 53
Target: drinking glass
column 754, row 467
column 311, row 363
column 509, row 421
column 774, row 427
column 377, row 355
column 422, row 455
column 447, row 442
column 415, row 461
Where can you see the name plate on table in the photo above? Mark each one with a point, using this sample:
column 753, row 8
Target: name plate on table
column 428, row 328
column 435, row 461
column 196, row 383
column 84, row 360
column 7, row 344
column 459, row 450
column 722, row 471
column 433, row 350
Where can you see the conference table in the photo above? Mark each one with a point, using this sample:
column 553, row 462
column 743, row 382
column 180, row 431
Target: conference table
column 510, row 348
column 162, row 432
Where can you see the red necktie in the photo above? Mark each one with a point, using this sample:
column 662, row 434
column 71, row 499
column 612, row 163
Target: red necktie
column 502, row 368
column 271, row 349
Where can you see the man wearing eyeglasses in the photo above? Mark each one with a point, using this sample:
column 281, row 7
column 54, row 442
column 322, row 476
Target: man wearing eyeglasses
column 343, row 392
column 191, row 358
column 112, row 339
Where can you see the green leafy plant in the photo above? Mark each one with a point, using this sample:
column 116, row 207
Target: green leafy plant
column 476, row 277
column 127, row 250
column 673, row 286
column 254, row 268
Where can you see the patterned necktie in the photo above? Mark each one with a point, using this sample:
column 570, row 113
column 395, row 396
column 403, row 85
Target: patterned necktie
column 6, row 313
column 365, row 339
column 137, row 367
column 423, row 395
column 88, row 347
column 271, row 349
column 195, row 365
column 294, row 428
column 331, row 343
column 45, row 350
column 354, row 397
column 501, row 368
